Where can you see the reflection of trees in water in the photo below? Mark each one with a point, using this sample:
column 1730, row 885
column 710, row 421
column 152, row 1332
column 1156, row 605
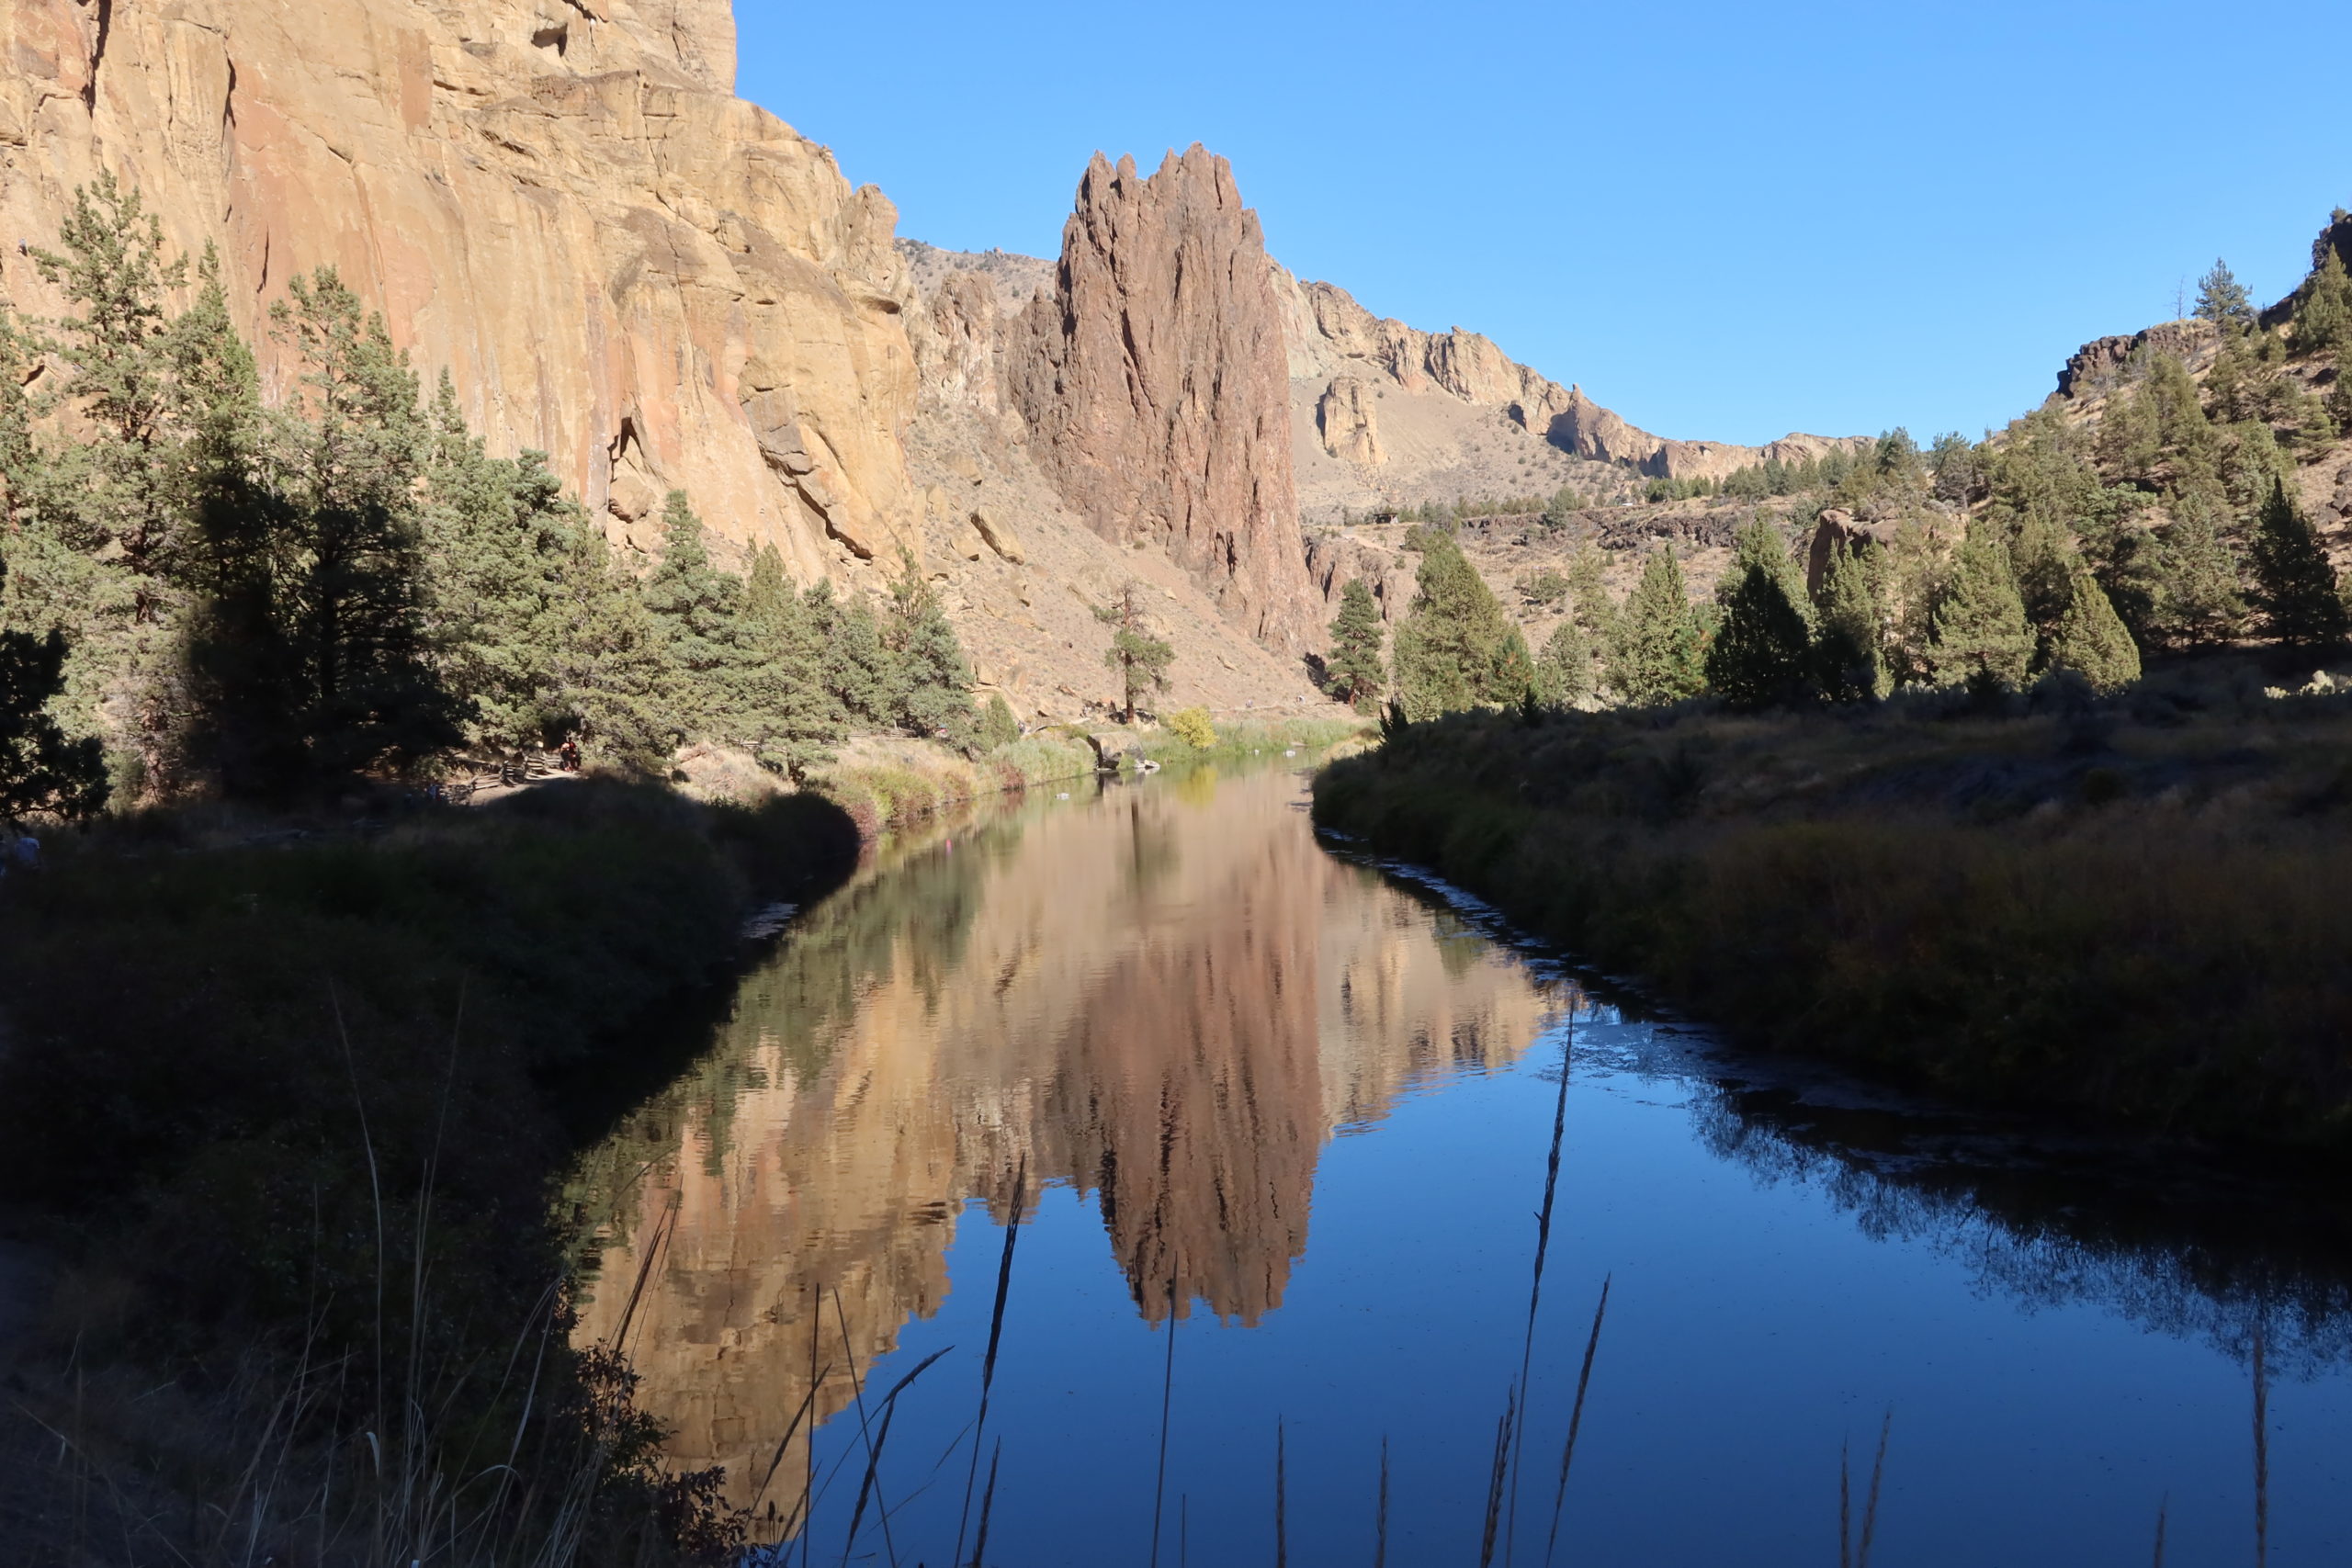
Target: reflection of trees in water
column 2177, row 1255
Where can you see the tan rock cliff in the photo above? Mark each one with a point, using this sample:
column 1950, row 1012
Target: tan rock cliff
column 1153, row 384
column 562, row 203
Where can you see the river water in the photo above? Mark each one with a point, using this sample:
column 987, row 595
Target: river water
column 1278, row 1123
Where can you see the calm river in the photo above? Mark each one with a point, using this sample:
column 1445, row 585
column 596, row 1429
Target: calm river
column 1289, row 1116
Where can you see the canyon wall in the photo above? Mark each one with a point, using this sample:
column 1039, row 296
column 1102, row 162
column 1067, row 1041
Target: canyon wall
column 1152, row 381
column 564, row 205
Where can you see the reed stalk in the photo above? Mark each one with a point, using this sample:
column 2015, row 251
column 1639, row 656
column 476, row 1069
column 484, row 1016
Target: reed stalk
column 1535, row 1288
column 1282, row 1522
column 1576, row 1420
column 1167, row 1398
column 1380, row 1516
column 987, row 1364
column 1496, row 1479
column 2261, row 1449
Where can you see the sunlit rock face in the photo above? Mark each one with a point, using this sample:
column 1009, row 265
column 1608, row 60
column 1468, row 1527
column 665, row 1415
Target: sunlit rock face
column 1151, row 378
column 564, row 205
column 1168, row 1002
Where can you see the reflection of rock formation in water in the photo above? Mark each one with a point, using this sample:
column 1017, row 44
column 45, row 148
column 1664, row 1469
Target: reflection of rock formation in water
column 1170, row 1001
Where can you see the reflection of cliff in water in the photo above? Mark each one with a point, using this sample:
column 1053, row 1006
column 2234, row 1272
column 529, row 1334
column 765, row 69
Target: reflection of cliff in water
column 1170, row 1001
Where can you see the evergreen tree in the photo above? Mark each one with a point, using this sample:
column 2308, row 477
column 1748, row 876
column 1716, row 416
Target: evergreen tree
column 857, row 667
column 1848, row 658
column 1980, row 635
column 2197, row 597
column 500, row 539
column 2043, row 561
column 1761, row 655
column 2324, row 315
column 2302, row 604
column 1954, row 466
column 1141, row 660
column 1661, row 655
column 1355, row 666
column 2091, row 639
column 934, row 684
column 700, row 610
column 997, row 726
column 1564, row 676
column 1588, row 600
column 1454, row 649
column 612, row 679
column 115, row 270
column 41, row 770
column 2222, row 299
column 794, row 718
column 351, row 592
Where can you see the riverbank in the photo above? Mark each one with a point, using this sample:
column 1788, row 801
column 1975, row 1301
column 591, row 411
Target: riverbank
column 2131, row 909
column 884, row 783
column 286, row 1103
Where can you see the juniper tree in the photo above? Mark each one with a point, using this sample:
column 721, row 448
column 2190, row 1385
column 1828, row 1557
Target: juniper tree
column 612, row 679
column 1980, row 636
column 935, row 679
column 1762, row 654
column 1354, row 666
column 2302, row 604
column 2091, row 639
column 1849, row 661
column 2324, row 314
column 793, row 718
column 41, row 770
column 2199, row 597
column 1456, row 648
column 997, row 726
column 1564, row 676
column 1140, row 658
column 1660, row 653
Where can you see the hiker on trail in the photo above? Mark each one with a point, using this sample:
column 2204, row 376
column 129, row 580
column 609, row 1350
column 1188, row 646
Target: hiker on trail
column 570, row 752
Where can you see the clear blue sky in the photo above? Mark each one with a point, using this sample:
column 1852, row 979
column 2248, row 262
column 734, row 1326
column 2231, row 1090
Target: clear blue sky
column 1727, row 220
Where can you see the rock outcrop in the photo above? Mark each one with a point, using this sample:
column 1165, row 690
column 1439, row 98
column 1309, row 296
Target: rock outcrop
column 1345, row 418
column 563, row 204
column 2095, row 367
column 1151, row 381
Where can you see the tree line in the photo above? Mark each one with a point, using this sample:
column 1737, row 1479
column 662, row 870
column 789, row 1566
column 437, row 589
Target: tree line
column 205, row 589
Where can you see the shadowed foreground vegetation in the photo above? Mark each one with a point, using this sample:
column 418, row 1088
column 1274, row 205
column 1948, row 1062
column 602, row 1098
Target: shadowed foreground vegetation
column 2131, row 906
column 298, row 1175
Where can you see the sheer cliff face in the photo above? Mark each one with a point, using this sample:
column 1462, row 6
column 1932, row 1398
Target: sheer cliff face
column 562, row 203
column 1152, row 381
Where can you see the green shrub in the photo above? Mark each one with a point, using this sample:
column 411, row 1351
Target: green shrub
column 1194, row 727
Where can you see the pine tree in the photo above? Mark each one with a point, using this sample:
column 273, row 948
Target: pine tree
column 1355, row 666
column 794, row 718
column 1454, row 648
column 857, row 667
column 1141, row 660
column 2302, row 604
column 500, row 537
column 115, row 269
column 2091, row 639
column 934, row 688
column 997, row 726
column 613, row 680
column 1980, row 636
column 2043, row 561
column 1661, row 655
column 1588, row 600
column 2222, row 299
column 700, row 610
column 1761, row 655
column 2324, row 315
column 41, row 770
column 1564, row 676
column 1850, row 663
column 351, row 452
column 2199, row 598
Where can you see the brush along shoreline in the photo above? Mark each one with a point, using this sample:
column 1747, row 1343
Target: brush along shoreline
column 2129, row 907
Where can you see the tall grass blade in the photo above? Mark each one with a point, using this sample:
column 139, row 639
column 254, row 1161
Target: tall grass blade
column 1869, row 1507
column 987, row 1507
column 867, row 1486
column 2163, row 1506
column 1380, row 1514
column 1576, row 1420
column 1495, row 1480
column 1167, row 1398
column 1845, row 1509
column 1536, row 1289
column 988, row 1362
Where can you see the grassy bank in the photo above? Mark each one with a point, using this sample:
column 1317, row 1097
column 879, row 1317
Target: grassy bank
column 885, row 784
column 2131, row 907
column 287, row 1100
column 1240, row 737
